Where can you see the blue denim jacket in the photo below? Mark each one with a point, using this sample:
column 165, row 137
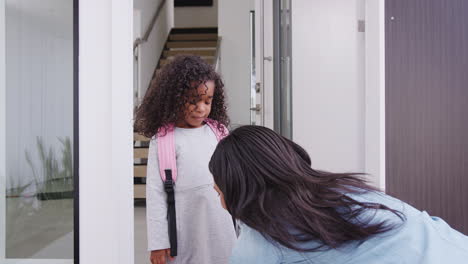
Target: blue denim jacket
column 419, row 239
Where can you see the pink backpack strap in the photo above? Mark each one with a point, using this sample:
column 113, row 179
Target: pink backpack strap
column 166, row 147
column 166, row 152
column 220, row 134
column 168, row 172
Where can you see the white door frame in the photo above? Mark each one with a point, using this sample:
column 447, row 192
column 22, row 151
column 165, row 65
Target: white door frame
column 375, row 92
column 106, row 133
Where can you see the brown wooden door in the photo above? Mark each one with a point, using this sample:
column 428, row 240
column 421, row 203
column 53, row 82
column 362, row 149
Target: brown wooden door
column 427, row 106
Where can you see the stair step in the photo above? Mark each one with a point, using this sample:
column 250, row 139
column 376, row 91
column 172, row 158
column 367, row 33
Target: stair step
column 169, row 53
column 166, row 61
column 209, row 30
column 138, row 137
column 138, row 162
column 193, row 37
column 140, row 153
column 139, row 170
column 190, row 44
column 203, row 57
column 139, row 191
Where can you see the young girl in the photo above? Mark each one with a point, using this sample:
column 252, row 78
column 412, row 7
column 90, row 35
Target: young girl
column 291, row 213
column 185, row 95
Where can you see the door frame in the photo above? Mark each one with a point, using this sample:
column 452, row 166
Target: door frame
column 106, row 131
column 375, row 92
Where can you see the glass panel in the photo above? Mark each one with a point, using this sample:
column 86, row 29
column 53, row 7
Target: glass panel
column 285, row 54
column 282, row 68
column 38, row 136
column 254, row 108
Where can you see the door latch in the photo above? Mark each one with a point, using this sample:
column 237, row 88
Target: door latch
column 257, row 108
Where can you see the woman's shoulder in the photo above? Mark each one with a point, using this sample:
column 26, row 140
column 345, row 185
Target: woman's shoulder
column 253, row 247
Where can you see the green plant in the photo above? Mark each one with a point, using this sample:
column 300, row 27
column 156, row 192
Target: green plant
column 16, row 191
column 54, row 181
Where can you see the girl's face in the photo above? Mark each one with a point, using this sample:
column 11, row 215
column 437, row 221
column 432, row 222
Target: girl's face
column 199, row 108
column 221, row 196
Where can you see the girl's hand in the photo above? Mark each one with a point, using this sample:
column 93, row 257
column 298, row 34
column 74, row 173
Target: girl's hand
column 160, row 256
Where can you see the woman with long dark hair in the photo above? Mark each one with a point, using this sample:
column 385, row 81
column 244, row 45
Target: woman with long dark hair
column 291, row 213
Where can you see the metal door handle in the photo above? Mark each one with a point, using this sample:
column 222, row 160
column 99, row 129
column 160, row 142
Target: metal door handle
column 257, row 87
column 256, row 108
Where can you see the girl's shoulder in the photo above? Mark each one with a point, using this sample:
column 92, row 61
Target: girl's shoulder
column 214, row 123
column 218, row 128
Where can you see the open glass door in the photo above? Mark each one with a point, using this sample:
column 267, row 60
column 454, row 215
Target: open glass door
column 38, row 135
column 255, row 83
column 282, row 67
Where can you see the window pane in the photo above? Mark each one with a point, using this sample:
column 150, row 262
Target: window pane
column 39, row 129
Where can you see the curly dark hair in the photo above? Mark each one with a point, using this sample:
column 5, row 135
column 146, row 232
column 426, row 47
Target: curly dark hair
column 173, row 89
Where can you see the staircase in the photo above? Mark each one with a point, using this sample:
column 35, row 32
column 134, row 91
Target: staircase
column 140, row 159
column 194, row 41
column 203, row 42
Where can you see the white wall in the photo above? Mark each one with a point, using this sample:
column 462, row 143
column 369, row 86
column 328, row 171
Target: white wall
column 150, row 51
column 328, row 83
column 199, row 16
column 234, row 28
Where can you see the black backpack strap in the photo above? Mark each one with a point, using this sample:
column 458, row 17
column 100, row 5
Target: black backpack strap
column 171, row 212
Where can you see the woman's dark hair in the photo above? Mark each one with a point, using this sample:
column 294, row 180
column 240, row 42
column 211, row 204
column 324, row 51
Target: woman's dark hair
column 268, row 184
column 172, row 89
